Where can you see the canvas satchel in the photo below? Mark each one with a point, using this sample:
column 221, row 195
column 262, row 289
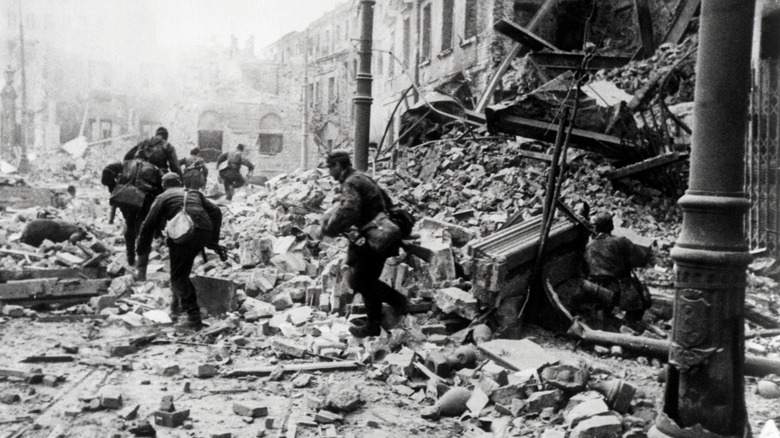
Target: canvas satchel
column 128, row 195
column 381, row 233
column 181, row 227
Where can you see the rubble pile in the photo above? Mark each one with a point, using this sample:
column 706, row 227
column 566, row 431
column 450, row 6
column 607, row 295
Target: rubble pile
column 678, row 61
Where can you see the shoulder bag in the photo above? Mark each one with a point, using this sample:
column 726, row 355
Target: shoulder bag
column 181, row 227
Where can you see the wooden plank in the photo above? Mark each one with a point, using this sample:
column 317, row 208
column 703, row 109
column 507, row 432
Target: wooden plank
column 523, row 36
column 645, row 28
column 645, row 165
column 292, row 368
column 32, row 273
column 535, row 155
column 517, row 355
column 682, row 17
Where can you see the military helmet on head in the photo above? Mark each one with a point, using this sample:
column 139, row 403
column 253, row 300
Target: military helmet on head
column 171, row 179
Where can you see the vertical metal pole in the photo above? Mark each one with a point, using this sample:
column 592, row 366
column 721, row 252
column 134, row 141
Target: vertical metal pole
column 24, row 120
column 363, row 97
column 705, row 385
column 305, row 124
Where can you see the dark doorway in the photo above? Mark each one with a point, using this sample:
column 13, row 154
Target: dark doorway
column 210, row 144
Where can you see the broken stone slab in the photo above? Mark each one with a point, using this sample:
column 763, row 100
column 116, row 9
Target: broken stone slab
column 540, row 400
column 460, row 235
column 261, row 281
column 205, row 371
column 255, row 309
column 495, row 372
column 68, row 259
column 282, row 300
column 477, row 402
column 602, row 426
column 585, row 410
column 517, row 355
column 327, row 417
column 457, row 301
column 250, row 409
column 283, row 347
column 567, row 378
column 299, row 315
column 216, row 295
column 343, row 398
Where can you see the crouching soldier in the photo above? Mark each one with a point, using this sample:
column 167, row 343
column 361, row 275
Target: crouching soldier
column 361, row 201
column 206, row 221
column 609, row 261
column 194, row 171
column 57, row 231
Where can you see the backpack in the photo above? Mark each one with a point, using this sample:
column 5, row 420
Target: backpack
column 404, row 219
column 142, row 174
column 181, row 227
column 153, row 151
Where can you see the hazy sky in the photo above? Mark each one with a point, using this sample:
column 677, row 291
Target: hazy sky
column 185, row 22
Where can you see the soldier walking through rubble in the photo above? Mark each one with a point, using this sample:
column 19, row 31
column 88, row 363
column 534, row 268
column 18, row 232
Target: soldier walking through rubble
column 229, row 166
column 206, row 222
column 609, row 261
column 157, row 151
column 361, row 201
column 141, row 175
column 194, row 171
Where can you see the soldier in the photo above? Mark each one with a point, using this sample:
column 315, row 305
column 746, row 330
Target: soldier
column 207, row 220
column 229, row 165
column 145, row 177
column 157, row 151
column 194, row 171
column 361, row 200
column 609, row 261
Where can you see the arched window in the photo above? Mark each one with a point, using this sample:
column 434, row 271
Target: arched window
column 270, row 141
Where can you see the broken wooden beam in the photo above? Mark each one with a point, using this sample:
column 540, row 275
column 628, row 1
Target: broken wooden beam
column 558, row 62
column 645, row 28
column 523, row 36
column 292, row 368
column 754, row 365
column 645, row 165
column 686, row 9
column 500, row 119
column 33, row 273
column 49, row 359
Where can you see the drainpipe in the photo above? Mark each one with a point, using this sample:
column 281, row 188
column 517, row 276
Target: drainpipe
column 362, row 97
column 704, row 394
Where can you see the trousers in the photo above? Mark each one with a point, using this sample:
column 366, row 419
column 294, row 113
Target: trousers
column 182, row 257
column 365, row 268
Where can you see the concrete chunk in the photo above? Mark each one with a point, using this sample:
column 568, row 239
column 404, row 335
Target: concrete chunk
column 110, row 397
column 457, row 301
column 216, row 295
column 568, row 378
column 585, row 410
column 283, row 347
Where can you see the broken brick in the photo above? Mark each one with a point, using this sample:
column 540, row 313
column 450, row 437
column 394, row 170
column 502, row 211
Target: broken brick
column 250, row 409
column 171, row 419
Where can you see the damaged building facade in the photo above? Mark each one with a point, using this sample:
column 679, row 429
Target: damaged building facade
column 73, row 80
